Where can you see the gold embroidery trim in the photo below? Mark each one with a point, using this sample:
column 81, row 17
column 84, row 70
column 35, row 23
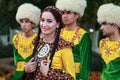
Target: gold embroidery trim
column 75, row 35
column 20, row 66
column 77, row 67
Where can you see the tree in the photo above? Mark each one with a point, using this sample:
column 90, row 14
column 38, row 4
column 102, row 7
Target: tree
column 89, row 20
column 8, row 10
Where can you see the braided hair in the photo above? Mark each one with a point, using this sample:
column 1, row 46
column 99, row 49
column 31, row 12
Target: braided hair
column 36, row 42
column 58, row 17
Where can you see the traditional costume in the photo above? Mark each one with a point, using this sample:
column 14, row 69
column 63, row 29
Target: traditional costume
column 23, row 47
column 110, row 50
column 62, row 65
column 81, row 51
column 80, row 38
column 110, row 53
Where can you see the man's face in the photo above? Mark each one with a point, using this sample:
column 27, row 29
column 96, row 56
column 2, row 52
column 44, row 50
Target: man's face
column 26, row 25
column 107, row 29
column 69, row 17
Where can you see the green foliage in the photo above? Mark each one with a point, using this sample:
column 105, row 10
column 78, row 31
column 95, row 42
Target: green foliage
column 8, row 10
column 89, row 20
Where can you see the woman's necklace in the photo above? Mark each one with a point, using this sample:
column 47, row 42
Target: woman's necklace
column 51, row 40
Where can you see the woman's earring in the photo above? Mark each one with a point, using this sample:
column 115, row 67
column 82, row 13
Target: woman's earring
column 56, row 30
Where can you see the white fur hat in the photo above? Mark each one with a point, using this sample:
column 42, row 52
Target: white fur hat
column 109, row 13
column 77, row 6
column 29, row 11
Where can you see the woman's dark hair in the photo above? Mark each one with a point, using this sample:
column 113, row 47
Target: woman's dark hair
column 58, row 17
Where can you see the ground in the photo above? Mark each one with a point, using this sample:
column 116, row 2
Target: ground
column 6, row 68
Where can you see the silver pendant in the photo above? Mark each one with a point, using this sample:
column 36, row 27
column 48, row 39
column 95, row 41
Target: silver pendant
column 43, row 50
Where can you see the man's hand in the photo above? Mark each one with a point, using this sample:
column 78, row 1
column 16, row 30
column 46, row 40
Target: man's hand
column 30, row 66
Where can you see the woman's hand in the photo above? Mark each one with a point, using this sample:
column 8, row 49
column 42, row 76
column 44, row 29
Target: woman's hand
column 44, row 68
column 30, row 66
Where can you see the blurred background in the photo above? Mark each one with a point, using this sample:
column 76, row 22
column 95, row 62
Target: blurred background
column 9, row 27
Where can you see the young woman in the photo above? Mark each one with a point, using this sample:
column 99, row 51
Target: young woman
column 58, row 64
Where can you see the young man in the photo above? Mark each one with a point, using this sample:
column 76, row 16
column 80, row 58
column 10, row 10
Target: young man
column 27, row 16
column 109, row 18
column 71, row 11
